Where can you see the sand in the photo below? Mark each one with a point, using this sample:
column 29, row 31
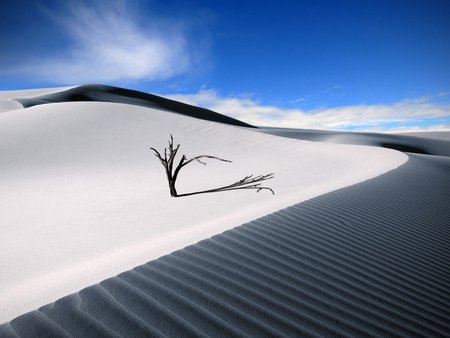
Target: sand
column 102, row 93
column 437, row 135
column 412, row 143
column 8, row 102
column 85, row 199
column 366, row 260
column 364, row 253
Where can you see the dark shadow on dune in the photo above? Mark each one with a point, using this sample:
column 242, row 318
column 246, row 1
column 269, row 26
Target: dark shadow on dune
column 366, row 260
column 404, row 148
column 103, row 93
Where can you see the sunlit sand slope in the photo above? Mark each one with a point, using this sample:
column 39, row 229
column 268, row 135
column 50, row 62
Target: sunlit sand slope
column 84, row 198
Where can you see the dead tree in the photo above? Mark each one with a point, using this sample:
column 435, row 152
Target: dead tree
column 248, row 182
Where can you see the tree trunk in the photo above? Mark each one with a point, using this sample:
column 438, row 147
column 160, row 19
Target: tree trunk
column 173, row 190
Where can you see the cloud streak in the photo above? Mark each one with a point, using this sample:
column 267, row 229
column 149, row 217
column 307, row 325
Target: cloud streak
column 109, row 41
column 405, row 115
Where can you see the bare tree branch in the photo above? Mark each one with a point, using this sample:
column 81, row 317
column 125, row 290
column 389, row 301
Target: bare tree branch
column 245, row 183
column 197, row 158
column 248, row 182
column 158, row 155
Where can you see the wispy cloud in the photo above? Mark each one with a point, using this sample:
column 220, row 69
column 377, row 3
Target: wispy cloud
column 110, row 41
column 411, row 114
column 298, row 100
column 334, row 88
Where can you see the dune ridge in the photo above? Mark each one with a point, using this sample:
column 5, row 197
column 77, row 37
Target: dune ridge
column 434, row 143
column 104, row 93
column 437, row 143
column 365, row 260
column 9, row 102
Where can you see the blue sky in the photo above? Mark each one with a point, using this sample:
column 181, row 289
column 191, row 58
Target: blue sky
column 349, row 65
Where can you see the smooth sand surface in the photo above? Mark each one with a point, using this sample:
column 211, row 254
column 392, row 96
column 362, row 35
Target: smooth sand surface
column 437, row 135
column 366, row 260
column 83, row 197
column 8, row 102
column 28, row 93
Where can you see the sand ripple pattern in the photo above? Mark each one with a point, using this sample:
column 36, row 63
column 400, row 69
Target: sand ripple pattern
column 367, row 260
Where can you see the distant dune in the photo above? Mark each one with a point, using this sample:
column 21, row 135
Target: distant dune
column 406, row 142
column 354, row 243
column 8, row 100
column 418, row 143
column 437, row 135
column 102, row 93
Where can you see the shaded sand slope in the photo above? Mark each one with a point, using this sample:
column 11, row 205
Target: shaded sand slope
column 367, row 260
column 103, row 93
column 438, row 135
column 431, row 145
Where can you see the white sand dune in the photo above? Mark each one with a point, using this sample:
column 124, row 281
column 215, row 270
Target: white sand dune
column 435, row 143
column 29, row 93
column 83, row 197
column 8, row 102
column 366, row 260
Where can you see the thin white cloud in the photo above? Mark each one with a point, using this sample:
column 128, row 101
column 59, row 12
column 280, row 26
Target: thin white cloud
column 111, row 42
column 337, row 87
column 380, row 117
column 298, row 100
